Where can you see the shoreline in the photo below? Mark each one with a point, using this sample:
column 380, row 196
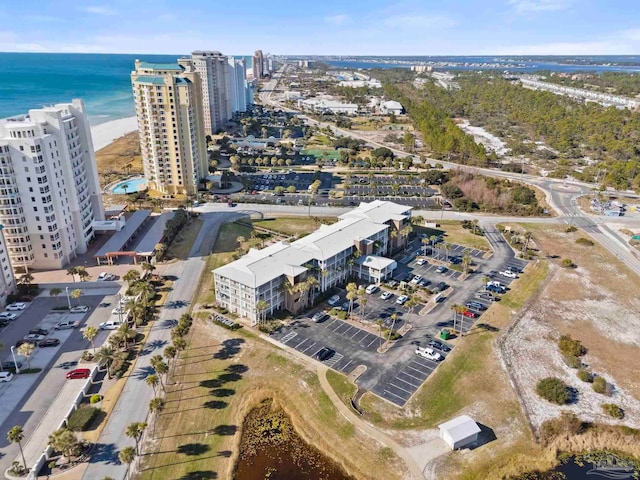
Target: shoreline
column 106, row 133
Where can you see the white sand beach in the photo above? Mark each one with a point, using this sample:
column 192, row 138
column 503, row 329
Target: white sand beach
column 108, row 132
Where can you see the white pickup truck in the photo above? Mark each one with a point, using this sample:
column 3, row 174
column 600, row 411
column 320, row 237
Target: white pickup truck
column 66, row 325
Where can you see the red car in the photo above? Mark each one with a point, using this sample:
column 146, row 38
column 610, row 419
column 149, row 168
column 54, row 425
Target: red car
column 79, row 373
column 470, row 314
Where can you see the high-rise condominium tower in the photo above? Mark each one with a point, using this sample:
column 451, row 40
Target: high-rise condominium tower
column 212, row 68
column 171, row 126
column 258, row 64
column 7, row 279
column 49, row 188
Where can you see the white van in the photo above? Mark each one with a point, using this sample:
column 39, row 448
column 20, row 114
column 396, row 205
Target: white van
column 373, row 288
column 5, row 377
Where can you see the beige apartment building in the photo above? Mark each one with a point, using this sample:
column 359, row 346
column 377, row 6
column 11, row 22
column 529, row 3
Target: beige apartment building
column 168, row 98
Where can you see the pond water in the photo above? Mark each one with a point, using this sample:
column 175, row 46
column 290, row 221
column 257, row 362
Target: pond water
column 271, row 449
column 590, row 466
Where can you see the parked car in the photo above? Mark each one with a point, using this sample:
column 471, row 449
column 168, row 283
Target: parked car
column 416, row 279
column 9, row 365
column 325, row 353
column 66, row 325
column 8, row 316
column 334, row 300
column 386, row 295
column 441, row 287
column 486, row 296
column 439, row 345
column 33, row 337
column 13, row 307
column 428, row 353
column 118, row 310
column 110, row 325
column 371, row 288
column 509, row 274
column 392, row 283
column 49, row 342
column 421, row 261
column 441, row 269
column 423, row 283
column 79, row 373
column 105, row 277
column 79, row 309
column 39, row 331
column 470, row 314
column 495, row 288
column 402, row 299
column 475, row 306
column 320, row 317
column 5, row 377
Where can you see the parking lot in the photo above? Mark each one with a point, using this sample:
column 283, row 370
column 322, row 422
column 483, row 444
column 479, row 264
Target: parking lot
column 396, row 374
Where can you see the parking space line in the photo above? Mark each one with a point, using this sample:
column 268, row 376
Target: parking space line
column 288, row 337
column 400, row 388
column 404, row 381
column 375, row 339
column 429, row 364
column 345, row 332
column 409, row 375
column 352, row 337
column 306, row 349
column 408, row 382
column 421, row 372
column 404, row 400
column 330, row 322
column 344, row 368
column 304, row 340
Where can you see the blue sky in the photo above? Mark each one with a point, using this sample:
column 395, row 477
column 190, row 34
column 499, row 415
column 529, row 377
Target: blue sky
column 353, row 27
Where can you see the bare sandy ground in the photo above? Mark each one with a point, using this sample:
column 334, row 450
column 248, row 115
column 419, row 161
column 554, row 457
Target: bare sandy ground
column 108, row 132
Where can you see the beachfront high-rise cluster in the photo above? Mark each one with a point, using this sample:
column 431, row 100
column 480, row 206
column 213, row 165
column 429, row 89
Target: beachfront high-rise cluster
column 49, row 189
column 177, row 106
column 168, row 100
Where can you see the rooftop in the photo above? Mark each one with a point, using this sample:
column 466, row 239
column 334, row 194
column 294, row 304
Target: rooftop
column 161, row 66
column 150, row 79
column 119, row 239
column 260, row 266
column 460, row 427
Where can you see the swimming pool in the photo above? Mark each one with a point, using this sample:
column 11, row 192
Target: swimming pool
column 132, row 185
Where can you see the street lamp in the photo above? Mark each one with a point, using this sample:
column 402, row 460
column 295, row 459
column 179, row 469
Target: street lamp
column 13, row 354
column 68, row 297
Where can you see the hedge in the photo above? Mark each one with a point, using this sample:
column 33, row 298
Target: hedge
column 553, row 390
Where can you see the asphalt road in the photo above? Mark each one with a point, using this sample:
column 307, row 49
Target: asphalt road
column 133, row 403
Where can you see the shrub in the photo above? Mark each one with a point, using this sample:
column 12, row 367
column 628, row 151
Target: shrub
column 567, row 263
column 613, row 410
column 570, row 347
column 553, row 390
column 572, row 361
column 585, row 375
column 566, row 423
column 600, row 385
column 96, row 398
column 80, row 419
column 87, row 356
column 570, row 229
column 584, row 241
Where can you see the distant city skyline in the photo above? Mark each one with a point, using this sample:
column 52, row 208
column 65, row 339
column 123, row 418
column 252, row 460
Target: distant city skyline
column 359, row 27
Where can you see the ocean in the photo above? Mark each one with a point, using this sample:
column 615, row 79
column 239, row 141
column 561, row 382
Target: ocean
column 30, row 80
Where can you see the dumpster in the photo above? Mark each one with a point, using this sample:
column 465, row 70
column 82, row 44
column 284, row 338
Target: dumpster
column 445, row 334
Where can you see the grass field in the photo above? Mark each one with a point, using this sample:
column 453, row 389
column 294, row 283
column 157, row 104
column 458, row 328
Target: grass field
column 181, row 245
column 294, row 225
column 453, row 232
column 343, row 387
column 218, row 379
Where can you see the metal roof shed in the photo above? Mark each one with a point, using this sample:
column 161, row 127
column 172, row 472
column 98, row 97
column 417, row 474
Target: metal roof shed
column 459, row 432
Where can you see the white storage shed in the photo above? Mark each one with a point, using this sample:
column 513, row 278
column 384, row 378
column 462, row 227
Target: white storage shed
column 459, row 432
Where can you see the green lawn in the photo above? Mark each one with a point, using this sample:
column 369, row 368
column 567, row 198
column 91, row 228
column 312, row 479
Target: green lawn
column 453, row 232
column 343, row 387
column 294, row 225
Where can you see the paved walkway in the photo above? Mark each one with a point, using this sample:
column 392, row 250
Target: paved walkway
column 402, row 452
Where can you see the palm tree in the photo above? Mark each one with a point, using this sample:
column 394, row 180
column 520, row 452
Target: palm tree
column 379, row 322
column 456, row 309
column 160, row 250
column 394, row 317
column 312, row 283
column 432, row 241
column 148, row 267
column 160, row 367
column 26, row 349
column 525, row 244
column 105, row 355
column 411, row 303
column 447, row 247
column 16, row 435
column 261, row 311
column 54, row 292
column 137, row 310
column 466, row 262
column 72, row 271
column 156, row 405
column 76, row 294
column 131, row 276
column 351, row 296
column 180, row 344
column 126, row 333
column 153, row 381
column 26, row 279
column 90, row 333
column 63, row 441
column 127, row 455
column 83, row 274
column 363, row 304
column 135, row 431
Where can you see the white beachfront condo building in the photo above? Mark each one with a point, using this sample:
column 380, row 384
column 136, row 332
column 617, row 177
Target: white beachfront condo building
column 49, row 189
column 7, row 279
column 279, row 274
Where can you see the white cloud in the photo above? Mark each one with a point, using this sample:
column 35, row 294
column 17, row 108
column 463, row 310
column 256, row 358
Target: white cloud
column 340, row 19
column 98, row 10
column 417, row 21
column 523, row 6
